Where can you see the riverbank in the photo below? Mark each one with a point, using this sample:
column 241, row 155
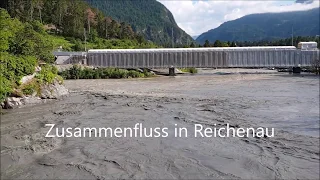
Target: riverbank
column 288, row 103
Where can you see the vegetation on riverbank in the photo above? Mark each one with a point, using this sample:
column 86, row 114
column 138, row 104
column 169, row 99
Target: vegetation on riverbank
column 189, row 70
column 316, row 66
column 28, row 38
column 22, row 45
column 77, row 72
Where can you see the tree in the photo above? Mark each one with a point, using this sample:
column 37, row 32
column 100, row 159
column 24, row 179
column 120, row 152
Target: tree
column 90, row 16
column 217, row 43
column 62, row 8
column 206, row 43
column 39, row 6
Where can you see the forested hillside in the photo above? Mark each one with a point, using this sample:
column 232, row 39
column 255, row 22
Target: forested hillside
column 277, row 42
column 149, row 18
column 32, row 29
column 73, row 19
column 267, row 26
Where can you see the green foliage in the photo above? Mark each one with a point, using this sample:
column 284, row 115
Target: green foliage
column 281, row 42
column 70, row 19
column 189, row 70
column 148, row 18
column 30, row 87
column 76, row 72
column 316, row 66
column 30, row 42
column 47, row 74
column 8, row 30
column 5, row 87
column 276, row 42
column 21, row 46
column 14, row 67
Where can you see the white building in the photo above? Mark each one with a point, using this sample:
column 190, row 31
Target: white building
column 307, row 45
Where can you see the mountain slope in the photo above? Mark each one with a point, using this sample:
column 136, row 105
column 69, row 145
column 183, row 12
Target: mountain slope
column 150, row 18
column 265, row 26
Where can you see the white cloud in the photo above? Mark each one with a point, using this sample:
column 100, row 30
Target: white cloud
column 196, row 17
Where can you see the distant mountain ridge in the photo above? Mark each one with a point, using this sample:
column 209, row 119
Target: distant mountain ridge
column 195, row 37
column 149, row 18
column 266, row 26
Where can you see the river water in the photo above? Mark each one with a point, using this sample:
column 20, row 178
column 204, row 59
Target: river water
column 288, row 103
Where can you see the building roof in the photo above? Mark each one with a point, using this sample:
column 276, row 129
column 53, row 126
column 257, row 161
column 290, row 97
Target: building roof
column 308, row 42
column 65, row 53
column 191, row 49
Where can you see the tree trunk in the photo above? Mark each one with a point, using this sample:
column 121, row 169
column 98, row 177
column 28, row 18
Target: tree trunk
column 106, row 30
column 60, row 19
column 88, row 25
column 31, row 11
column 40, row 15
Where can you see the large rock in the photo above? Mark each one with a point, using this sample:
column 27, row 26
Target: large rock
column 31, row 100
column 26, row 79
column 48, row 91
column 11, row 102
column 53, row 91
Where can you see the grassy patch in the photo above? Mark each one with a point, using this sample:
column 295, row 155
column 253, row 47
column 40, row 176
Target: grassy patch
column 30, row 87
column 189, row 70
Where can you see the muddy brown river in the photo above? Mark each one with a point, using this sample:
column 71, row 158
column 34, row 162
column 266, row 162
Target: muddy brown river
column 287, row 103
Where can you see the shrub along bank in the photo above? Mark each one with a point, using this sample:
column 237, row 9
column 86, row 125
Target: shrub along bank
column 77, row 72
column 189, row 70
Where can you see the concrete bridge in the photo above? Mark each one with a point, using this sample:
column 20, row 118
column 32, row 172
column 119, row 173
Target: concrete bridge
column 277, row 56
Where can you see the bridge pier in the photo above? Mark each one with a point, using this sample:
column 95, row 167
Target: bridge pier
column 296, row 69
column 172, row 71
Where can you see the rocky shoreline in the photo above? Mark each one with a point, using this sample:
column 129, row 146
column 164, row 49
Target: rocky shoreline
column 55, row 90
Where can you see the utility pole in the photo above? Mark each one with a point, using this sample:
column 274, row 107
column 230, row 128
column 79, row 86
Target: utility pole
column 172, row 37
column 85, row 40
column 292, row 36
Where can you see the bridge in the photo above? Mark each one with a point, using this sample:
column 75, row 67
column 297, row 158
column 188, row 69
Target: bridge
column 229, row 57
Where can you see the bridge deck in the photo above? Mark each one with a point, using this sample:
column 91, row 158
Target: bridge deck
column 286, row 56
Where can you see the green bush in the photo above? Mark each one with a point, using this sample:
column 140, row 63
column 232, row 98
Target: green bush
column 5, row 88
column 75, row 72
column 47, row 74
column 189, row 70
column 315, row 68
column 31, row 87
column 101, row 73
column 14, row 67
column 134, row 74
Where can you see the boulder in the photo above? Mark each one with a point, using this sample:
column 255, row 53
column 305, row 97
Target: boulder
column 25, row 79
column 48, row 91
column 53, row 91
column 11, row 102
column 38, row 69
column 31, row 100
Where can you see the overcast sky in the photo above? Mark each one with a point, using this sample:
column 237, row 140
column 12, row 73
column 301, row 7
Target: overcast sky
column 198, row 16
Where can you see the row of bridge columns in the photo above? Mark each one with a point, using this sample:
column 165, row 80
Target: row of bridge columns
column 295, row 70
